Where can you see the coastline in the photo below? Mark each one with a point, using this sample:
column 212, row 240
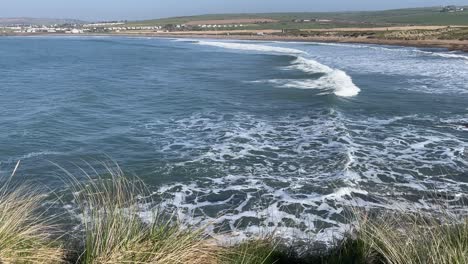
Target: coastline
column 450, row 45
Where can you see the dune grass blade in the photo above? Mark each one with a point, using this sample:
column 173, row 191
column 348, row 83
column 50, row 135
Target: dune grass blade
column 259, row 251
column 115, row 233
column 415, row 238
column 25, row 231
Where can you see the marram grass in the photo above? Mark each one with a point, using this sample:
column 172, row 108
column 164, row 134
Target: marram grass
column 415, row 238
column 112, row 231
column 24, row 230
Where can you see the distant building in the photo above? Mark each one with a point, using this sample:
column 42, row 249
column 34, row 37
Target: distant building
column 103, row 24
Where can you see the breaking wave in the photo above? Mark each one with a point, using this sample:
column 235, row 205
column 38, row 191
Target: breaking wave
column 298, row 175
column 251, row 47
column 447, row 55
column 338, row 80
column 334, row 80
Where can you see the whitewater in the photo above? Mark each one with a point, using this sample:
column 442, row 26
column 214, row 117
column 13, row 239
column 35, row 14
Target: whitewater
column 333, row 79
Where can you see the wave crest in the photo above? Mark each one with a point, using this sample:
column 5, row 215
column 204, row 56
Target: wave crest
column 338, row 81
column 251, row 47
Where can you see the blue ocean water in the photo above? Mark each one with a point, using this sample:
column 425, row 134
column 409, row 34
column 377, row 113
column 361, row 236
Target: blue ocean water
column 244, row 134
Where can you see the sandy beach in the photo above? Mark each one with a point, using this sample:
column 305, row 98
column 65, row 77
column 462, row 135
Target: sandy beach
column 275, row 35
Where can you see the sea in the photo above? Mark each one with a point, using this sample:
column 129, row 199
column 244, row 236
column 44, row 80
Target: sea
column 247, row 136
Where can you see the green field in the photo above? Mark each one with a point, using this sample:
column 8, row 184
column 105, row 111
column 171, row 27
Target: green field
column 413, row 16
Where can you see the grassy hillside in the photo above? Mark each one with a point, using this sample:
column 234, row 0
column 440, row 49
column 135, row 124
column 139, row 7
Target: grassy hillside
column 413, row 16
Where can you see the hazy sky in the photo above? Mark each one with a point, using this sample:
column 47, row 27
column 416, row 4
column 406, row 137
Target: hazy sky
column 142, row 9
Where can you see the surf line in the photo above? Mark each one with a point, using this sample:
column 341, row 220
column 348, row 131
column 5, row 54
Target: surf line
column 334, row 80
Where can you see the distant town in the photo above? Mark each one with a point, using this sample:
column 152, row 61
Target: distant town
column 287, row 23
column 110, row 27
column 116, row 27
column 76, row 28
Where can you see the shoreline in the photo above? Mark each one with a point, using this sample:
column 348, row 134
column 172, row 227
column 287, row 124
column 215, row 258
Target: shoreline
column 450, row 45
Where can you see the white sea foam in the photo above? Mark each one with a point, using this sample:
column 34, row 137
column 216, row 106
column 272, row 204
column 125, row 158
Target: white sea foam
column 303, row 172
column 190, row 40
column 447, row 55
column 40, row 153
column 340, row 45
column 334, row 80
column 444, row 54
column 251, row 47
column 451, row 55
column 338, row 80
column 33, row 155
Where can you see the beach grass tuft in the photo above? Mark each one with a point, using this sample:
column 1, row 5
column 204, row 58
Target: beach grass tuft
column 254, row 251
column 384, row 237
column 25, row 231
column 114, row 232
column 415, row 237
column 119, row 226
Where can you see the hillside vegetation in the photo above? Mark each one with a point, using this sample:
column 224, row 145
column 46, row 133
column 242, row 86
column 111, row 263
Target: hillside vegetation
column 413, row 16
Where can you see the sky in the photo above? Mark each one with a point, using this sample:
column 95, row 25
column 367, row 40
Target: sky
column 95, row 10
